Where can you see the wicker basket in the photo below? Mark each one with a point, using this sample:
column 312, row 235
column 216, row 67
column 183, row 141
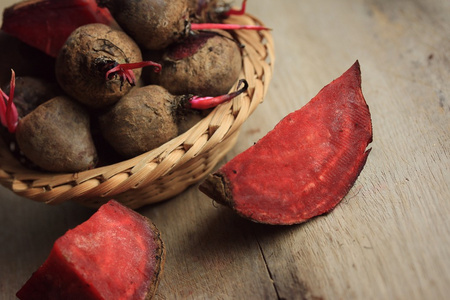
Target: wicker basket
column 168, row 170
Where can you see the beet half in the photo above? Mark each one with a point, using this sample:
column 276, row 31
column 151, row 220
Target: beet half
column 46, row 24
column 306, row 165
column 116, row 254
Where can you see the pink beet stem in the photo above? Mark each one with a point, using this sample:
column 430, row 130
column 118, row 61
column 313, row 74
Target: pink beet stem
column 8, row 112
column 3, row 102
column 203, row 26
column 126, row 73
column 210, row 102
column 237, row 12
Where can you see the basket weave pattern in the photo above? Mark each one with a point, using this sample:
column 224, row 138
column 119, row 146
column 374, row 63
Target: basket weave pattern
column 168, row 170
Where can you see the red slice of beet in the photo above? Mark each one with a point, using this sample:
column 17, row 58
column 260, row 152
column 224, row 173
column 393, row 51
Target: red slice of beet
column 116, row 254
column 306, row 164
column 46, row 24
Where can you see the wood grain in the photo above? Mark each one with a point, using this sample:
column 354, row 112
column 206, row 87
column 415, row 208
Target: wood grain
column 388, row 239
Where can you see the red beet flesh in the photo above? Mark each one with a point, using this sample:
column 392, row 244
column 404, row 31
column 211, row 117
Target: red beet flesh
column 306, row 164
column 116, row 254
column 46, row 24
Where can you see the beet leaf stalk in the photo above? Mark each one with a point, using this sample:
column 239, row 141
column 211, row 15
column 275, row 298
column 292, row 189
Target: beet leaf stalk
column 197, row 102
column 231, row 12
column 204, row 26
column 124, row 71
column 8, row 110
column 237, row 12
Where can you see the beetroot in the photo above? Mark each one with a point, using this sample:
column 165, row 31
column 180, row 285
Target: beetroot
column 30, row 92
column 83, row 63
column 46, row 24
column 149, row 116
column 56, row 136
column 154, row 24
column 214, row 11
column 116, row 254
column 306, row 164
column 207, row 63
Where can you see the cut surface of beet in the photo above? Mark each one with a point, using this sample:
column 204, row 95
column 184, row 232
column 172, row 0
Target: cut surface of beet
column 306, row 164
column 116, row 254
column 46, row 24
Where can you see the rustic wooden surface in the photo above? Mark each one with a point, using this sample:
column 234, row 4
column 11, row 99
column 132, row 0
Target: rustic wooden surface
column 388, row 239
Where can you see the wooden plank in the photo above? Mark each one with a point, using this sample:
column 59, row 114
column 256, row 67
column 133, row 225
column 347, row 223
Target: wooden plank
column 388, row 239
column 211, row 253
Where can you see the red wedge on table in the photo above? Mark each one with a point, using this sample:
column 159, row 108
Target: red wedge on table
column 46, row 24
column 116, row 254
column 306, row 165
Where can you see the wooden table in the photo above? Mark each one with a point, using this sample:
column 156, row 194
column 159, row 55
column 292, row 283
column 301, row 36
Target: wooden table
column 388, row 239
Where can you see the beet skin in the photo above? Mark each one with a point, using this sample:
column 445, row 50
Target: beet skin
column 152, row 24
column 89, row 52
column 306, row 164
column 205, row 64
column 142, row 120
column 56, row 136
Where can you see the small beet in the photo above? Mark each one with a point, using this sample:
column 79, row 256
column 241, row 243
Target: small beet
column 30, row 92
column 142, row 120
column 46, row 24
column 207, row 10
column 214, row 11
column 156, row 24
column 207, row 63
column 85, row 59
column 56, row 136
column 116, row 254
column 153, row 24
column 306, row 164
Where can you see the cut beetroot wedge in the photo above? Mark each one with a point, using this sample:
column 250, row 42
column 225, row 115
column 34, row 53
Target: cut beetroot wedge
column 116, row 254
column 46, row 24
column 306, row 165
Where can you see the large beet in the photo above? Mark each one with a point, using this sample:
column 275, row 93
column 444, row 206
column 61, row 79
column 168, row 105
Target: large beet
column 206, row 64
column 82, row 64
column 306, row 164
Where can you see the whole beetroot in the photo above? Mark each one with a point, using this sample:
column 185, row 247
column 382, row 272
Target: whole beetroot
column 86, row 57
column 153, row 24
column 56, row 136
column 150, row 116
column 30, row 92
column 207, row 63
column 209, row 10
column 142, row 120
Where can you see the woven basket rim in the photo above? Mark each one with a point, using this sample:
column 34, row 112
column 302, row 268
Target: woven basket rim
column 221, row 124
